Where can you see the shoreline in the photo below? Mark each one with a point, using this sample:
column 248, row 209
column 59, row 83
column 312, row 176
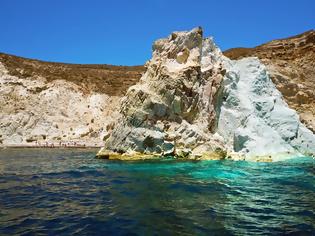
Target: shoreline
column 51, row 147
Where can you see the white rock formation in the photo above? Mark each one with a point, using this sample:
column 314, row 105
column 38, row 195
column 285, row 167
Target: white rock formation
column 182, row 105
column 253, row 118
column 33, row 109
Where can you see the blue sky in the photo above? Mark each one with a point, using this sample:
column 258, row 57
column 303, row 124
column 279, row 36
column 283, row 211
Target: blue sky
column 121, row 32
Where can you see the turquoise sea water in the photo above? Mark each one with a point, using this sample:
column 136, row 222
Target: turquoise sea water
column 69, row 192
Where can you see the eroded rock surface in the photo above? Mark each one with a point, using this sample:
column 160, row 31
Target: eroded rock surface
column 291, row 65
column 193, row 102
column 171, row 109
column 253, row 118
column 57, row 103
column 38, row 112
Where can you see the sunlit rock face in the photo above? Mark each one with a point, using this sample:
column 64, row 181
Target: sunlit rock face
column 171, row 109
column 291, row 65
column 253, row 118
column 193, row 101
column 34, row 111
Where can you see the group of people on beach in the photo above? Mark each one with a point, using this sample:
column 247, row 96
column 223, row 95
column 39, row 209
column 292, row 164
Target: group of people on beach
column 60, row 144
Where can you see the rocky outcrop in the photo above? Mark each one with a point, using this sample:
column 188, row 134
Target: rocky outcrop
column 194, row 102
column 171, row 109
column 291, row 65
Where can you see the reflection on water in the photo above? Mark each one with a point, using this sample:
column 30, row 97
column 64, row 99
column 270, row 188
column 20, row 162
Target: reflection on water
column 67, row 191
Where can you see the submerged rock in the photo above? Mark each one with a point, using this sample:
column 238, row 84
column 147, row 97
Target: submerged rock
column 193, row 102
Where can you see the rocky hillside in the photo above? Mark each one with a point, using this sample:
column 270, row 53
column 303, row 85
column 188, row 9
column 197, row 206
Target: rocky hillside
column 45, row 103
column 58, row 103
column 108, row 79
column 291, row 64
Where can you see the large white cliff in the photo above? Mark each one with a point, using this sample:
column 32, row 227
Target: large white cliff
column 253, row 118
column 194, row 102
column 37, row 112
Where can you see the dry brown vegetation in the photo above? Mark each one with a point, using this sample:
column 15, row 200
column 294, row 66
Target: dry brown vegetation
column 290, row 48
column 109, row 79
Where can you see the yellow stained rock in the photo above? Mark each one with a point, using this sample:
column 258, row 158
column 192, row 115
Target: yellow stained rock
column 106, row 154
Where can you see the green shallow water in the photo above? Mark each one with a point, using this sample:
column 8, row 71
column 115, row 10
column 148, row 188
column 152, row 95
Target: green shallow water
column 69, row 192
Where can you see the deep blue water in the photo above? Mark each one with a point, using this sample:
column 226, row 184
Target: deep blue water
column 68, row 192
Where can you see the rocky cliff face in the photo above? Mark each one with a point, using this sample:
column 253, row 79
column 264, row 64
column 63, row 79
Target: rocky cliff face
column 53, row 103
column 253, row 118
column 291, row 64
column 171, row 109
column 194, row 102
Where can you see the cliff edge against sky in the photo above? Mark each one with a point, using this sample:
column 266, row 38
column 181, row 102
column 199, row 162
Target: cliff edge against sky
column 194, row 102
column 58, row 103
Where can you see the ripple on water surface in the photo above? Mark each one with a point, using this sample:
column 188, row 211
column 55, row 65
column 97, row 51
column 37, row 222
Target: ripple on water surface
column 67, row 191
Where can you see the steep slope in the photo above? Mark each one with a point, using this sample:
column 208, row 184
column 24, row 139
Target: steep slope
column 171, row 108
column 253, row 118
column 291, row 64
column 194, row 102
column 55, row 103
